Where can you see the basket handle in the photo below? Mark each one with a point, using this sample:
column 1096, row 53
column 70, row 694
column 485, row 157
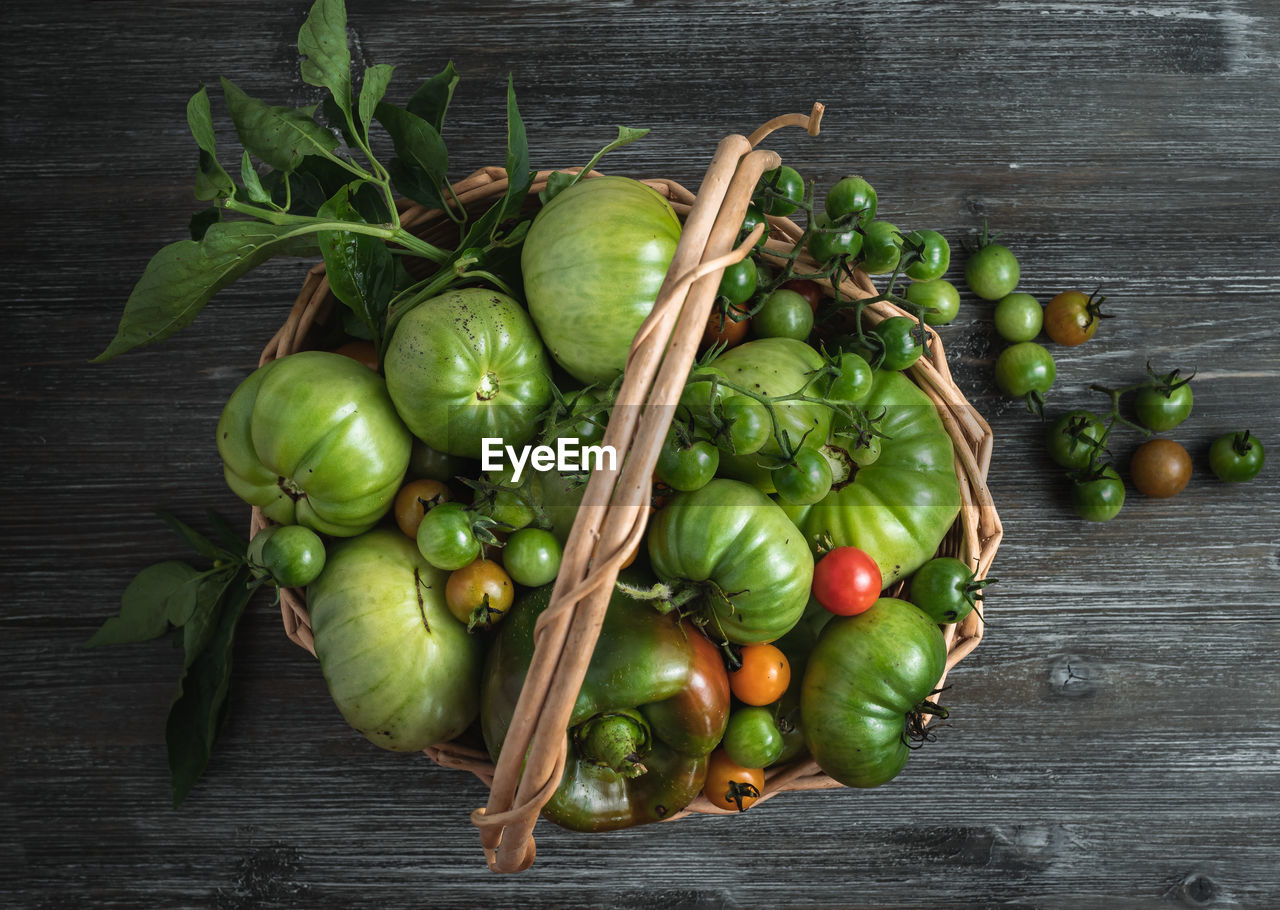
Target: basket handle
column 614, row 510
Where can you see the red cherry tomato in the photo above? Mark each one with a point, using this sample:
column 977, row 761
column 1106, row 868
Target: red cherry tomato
column 847, row 581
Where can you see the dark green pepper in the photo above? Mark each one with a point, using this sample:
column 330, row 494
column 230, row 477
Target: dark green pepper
column 654, row 703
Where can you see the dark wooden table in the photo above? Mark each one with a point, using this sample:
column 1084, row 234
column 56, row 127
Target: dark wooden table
column 1116, row 737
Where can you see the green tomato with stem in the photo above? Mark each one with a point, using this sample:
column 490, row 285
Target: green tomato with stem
column 939, row 295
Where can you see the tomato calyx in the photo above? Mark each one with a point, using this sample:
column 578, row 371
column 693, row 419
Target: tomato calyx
column 1242, row 443
column 618, row 740
column 1168, row 383
column 741, row 794
column 917, row 731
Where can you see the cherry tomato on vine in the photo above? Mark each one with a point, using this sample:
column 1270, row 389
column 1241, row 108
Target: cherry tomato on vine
column 738, row 282
column 992, row 272
column 784, row 314
column 851, row 196
column 1071, row 318
column 687, row 467
column 1236, row 457
column 945, row 589
column 292, row 555
column 847, row 581
column 753, row 217
column 881, row 247
column 1098, row 497
column 763, row 676
column 1160, row 468
column 752, row 738
column 750, row 426
column 730, row 785
column 1166, row 405
column 809, row 290
column 855, row 379
column 532, row 557
column 415, row 499
column 445, row 538
column 1074, row 438
column 806, row 480
column 865, row 451
column 1025, row 369
column 1018, row 317
column 903, row 340
column 931, row 256
column 780, row 191
column 940, row 295
column 827, row 241
column 479, row 594
column 727, row 326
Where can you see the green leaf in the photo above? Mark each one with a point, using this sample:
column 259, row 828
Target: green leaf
column 322, row 42
column 200, row 120
column 206, row 599
column 421, row 165
column 193, row 538
column 483, row 230
column 181, row 278
column 374, row 86
column 561, row 181
column 280, row 136
column 252, row 184
column 212, row 182
column 360, row 268
column 431, row 100
column 145, row 605
column 230, row 538
column 199, row 708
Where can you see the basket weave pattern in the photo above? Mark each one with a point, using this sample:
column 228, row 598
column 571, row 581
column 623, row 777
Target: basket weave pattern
column 614, row 513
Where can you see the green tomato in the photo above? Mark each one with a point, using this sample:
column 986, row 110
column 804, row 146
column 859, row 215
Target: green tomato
column 752, row 738
column 827, row 242
column 945, row 589
column 749, row 425
column 899, row 509
column 732, row 535
column 1098, row 498
column 866, row 675
column 901, row 339
column 851, row 197
column 445, row 538
column 509, row 504
column 939, row 295
column 738, row 282
column 532, row 557
column 292, row 555
column 1162, row 409
column 932, row 256
column 1025, row 368
column 1074, row 438
column 689, row 467
column 992, row 272
column 752, row 218
column 865, row 452
column 780, row 191
column 784, row 314
column 593, row 262
column 400, row 668
column 466, row 366
column 1236, row 457
column 313, row 439
column 881, row 247
column 1018, row 317
column 806, row 480
column 854, row 382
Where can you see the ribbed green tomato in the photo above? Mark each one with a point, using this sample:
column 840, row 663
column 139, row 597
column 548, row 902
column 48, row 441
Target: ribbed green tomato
column 593, row 262
column 735, row 538
column 400, row 668
column 465, row 366
column 313, row 439
column 900, row 507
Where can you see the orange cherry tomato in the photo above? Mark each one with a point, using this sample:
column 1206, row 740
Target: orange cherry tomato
column 479, row 594
column 414, row 500
column 1071, row 318
column 722, row 329
column 360, row 351
column 763, row 676
column 731, row 786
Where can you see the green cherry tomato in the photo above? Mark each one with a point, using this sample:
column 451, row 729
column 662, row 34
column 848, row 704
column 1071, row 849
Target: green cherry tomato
column 739, row 281
column 445, row 539
column 945, row 589
column 904, row 341
column 687, row 467
column 930, row 256
column 1236, row 457
column 532, row 557
column 752, row 738
column 827, row 241
column 1024, row 368
column 864, row 451
column 806, row 480
column 753, row 217
column 1162, row 409
column 854, row 382
column 1099, row 498
column 992, row 272
column 851, row 196
column 292, row 555
column 1074, row 438
column 940, row 295
column 784, row 314
column 780, row 191
column 881, row 248
column 1018, row 317
column 749, row 425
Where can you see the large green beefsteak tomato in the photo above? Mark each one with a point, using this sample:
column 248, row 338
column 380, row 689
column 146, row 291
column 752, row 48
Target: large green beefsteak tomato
column 900, row 507
column 739, row 546
column 772, row 367
column 465, row 366
column 866, row 675
column 593, row 262
column 400, row 668
column 313, row 439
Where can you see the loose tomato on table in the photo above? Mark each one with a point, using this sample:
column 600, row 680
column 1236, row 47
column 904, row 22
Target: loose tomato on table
column 1098, row 495
column 1025, row 370
column 1165, row 404
column 1071, row 318
column 992, row 272
column 1236, row 457
column 1075, row 439
column 1018, row 317
column 1160, row 468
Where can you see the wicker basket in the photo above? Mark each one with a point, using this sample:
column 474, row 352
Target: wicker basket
column 612, row 518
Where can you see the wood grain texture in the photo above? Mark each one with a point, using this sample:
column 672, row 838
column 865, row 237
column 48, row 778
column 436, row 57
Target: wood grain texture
column 1115, row 738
